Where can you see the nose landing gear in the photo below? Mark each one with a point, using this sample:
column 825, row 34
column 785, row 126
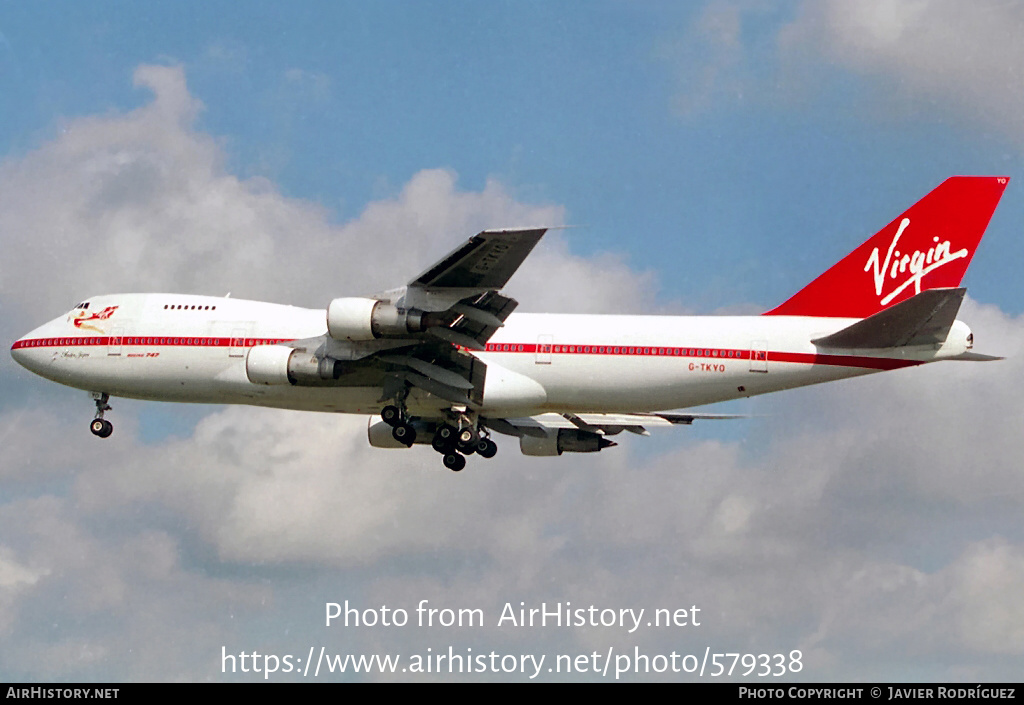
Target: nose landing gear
column 100, row 426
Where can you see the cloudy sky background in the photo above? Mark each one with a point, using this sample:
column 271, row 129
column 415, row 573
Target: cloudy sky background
column 717, row 157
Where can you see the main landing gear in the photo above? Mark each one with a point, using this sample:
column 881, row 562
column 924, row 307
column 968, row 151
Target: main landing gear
column 398, row 420
column 456, row 443
column 453, row 442
column 100, row 426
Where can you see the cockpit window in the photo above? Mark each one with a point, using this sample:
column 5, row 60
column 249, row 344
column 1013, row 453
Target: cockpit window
column 83, row 305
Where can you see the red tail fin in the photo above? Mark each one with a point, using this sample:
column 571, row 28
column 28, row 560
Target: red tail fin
column 928, row 247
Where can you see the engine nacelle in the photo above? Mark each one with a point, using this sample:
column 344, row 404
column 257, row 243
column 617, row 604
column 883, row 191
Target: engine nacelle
column 280, row 364
column 357, row 318
column 379, row 434
column 565, row 440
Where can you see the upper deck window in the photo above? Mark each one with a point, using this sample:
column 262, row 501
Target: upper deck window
column 187, row 307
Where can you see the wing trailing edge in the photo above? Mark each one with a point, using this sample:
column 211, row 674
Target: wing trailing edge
column 600, row 424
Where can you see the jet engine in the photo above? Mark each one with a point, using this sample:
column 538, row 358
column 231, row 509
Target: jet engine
column 356, row 318
column 379, row 434
column 565, row 440
column 280, row 364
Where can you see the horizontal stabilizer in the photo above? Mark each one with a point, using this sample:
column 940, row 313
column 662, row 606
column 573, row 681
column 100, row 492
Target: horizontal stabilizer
column 976, row 357
column 923, row 319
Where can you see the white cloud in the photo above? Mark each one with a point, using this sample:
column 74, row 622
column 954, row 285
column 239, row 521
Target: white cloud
column 710, row 58
column 142, row 202
column 963, row 55
column 923, row 57
column 12, row 574
column 116, row 601
column 990, row 613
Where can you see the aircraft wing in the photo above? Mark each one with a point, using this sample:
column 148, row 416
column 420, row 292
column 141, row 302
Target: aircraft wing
column 461, row 290
column 485, row 262
column 458, row 308
column 601, row 424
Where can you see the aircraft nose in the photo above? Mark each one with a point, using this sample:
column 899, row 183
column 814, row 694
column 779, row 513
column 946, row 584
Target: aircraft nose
column 26, row 351
column 18, row 351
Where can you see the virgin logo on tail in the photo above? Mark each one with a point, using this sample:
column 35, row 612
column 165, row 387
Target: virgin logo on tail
column 916, row 265
column 918, row 253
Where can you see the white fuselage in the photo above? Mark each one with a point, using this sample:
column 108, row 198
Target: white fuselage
column 170, row 347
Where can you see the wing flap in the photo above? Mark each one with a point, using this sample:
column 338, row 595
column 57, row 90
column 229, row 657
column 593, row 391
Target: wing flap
column 456, row 337
column 602, row 424
column 439, row 374
column 438, row 389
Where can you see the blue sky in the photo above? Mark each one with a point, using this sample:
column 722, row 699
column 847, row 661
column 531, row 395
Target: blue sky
column 717, row 156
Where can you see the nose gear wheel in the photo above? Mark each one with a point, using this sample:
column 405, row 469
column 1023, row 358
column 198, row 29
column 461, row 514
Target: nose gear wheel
column 100, row 426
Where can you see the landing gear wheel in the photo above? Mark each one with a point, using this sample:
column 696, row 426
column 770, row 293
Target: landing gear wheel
column 467, row 440
column 101, row 428
column 486, row 448
column 442, row 445
column 446, row 433
column 454, row 462
column 391, row 415
column 404, row 433
column 444, row 439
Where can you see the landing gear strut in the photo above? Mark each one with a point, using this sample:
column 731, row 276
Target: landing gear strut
column 100, row 426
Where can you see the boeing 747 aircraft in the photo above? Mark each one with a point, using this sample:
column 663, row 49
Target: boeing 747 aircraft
column 444, row 360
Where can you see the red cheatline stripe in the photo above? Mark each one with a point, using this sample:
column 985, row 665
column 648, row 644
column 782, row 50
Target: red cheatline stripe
column 619, row 350
column 149, row 341
column 873, row 363
column 705, row 353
